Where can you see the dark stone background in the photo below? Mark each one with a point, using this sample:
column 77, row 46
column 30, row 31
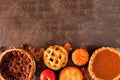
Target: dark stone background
column 42, row 23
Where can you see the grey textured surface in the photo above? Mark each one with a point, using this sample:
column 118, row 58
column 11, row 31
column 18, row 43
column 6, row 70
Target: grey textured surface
column 42, row 23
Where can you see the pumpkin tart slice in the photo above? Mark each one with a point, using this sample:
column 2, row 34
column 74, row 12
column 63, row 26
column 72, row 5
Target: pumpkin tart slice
column 104, row 64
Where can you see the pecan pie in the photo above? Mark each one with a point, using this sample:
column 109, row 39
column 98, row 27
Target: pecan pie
column 104, row 64
column 16, row 64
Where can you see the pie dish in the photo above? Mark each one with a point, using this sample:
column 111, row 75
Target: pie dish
column 71, row 73
column 55, row 57
column 16, row 64
column 104, row 64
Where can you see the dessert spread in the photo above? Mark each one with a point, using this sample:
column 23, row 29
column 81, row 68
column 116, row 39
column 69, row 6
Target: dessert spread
column 17, row 64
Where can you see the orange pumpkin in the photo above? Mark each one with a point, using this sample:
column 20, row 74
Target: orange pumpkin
column 80, row 57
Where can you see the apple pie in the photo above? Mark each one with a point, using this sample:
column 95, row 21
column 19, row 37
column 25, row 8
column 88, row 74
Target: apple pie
column 55, row 57
column 71, row 73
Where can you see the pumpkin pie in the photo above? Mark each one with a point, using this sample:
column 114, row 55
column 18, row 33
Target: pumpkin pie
column 16, row 64
column 104, row 64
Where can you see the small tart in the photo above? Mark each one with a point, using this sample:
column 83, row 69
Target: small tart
column 16, row 64
column 55, row 57
column 71, row 73
column 104, row 64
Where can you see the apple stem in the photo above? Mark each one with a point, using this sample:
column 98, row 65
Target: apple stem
column 47, row 79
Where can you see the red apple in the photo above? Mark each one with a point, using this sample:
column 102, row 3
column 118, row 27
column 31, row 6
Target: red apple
column 47, row 74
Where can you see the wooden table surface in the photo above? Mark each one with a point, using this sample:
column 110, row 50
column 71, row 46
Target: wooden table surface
column 42, row 23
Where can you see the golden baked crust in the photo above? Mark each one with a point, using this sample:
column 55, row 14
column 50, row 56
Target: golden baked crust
column 71, row 73
column 93, row 58
column 55, row 57
column 16, row 58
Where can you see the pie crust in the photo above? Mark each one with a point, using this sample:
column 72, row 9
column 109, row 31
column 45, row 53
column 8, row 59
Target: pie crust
column 55, row 57
column 71, row 73
column 17, row 64
column 103, row 64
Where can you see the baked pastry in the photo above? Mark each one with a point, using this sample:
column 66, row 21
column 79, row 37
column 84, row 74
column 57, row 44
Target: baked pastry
column 55, row 57
column 80, row 57
column 71, row 73
column 104, row 64
column 16, row 64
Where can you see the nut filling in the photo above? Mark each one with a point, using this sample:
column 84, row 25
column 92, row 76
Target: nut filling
column 15, row 65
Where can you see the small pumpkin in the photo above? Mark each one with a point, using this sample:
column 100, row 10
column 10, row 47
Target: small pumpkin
column 80, row 57
column 16, row 64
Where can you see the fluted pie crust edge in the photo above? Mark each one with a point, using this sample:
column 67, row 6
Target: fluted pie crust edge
column 31, row 74
column 93, row 76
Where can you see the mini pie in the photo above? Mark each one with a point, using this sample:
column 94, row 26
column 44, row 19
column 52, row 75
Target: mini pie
column 71, row 73
column 55, row 57
column 16, row 64
column 104, row 64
